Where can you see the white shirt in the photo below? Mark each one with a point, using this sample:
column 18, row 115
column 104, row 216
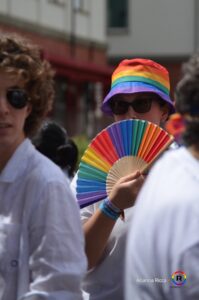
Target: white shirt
column 41, row 240
column 106, row 280
column 163, row 237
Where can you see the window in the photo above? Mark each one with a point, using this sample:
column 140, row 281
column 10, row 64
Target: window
column 59, row 111
column 57, row 2
column 78, row 4
column 117, row 13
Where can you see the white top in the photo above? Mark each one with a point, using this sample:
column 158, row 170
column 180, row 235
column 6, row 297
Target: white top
column 41, row 239
column 106, row 280
column 163, row 237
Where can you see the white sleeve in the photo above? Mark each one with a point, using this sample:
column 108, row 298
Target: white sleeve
column 87, row 212
column 73, row 185
column 57, row 260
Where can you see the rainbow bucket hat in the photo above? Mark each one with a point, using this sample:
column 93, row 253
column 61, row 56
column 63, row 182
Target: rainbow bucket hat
column 136, row 76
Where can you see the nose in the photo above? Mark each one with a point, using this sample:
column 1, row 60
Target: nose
column 131, row 114
column 4, row 108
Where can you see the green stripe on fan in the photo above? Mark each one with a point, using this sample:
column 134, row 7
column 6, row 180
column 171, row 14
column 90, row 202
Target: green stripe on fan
column 89, row 172
column 139, row 127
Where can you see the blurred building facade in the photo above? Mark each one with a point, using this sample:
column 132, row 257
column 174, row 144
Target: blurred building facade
column 72, row 34
column 166, row 31
column 85, row 39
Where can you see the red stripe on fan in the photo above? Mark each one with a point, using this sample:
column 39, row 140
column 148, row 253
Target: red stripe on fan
column 162, row 140
column 154, row 143
column 153, row 137
column 104, row 146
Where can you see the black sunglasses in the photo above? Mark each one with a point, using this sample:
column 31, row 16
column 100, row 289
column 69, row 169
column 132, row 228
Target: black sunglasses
column 139, row 105
column 17, row 98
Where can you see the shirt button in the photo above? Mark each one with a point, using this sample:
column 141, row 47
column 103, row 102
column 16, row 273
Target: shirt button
column 14, row 263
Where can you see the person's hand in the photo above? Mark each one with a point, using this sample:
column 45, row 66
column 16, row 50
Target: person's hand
column 125, row 191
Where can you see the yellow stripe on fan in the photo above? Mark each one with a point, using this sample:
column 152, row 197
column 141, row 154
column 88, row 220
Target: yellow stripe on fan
column 94, row 159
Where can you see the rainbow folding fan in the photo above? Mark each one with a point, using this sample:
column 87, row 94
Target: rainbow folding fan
column 118, row 150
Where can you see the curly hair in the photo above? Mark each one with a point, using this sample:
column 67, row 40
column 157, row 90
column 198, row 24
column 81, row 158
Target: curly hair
column 187, row 100
column 19, row 57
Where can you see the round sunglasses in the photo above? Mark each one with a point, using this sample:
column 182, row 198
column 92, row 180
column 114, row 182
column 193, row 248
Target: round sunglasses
column 139, row 105
column 17, row 98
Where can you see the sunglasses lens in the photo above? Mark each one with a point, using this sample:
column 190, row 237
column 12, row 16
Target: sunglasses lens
column 119, row 107
column 142, row 105
column 17, row 98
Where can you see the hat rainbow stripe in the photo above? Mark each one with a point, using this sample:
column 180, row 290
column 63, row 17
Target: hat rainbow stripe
column 144, row 79
column 142, row 73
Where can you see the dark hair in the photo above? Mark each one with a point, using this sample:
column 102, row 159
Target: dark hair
column 187, row 100
column 19, row 57
column 52, row 141
column 68, row 156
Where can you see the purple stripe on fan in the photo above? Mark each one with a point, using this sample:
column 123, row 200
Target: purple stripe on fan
column 86, row 199
column 115, row 135
column 90, row 194
column 119, row 139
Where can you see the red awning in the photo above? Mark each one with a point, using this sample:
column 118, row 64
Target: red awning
column 83, row 72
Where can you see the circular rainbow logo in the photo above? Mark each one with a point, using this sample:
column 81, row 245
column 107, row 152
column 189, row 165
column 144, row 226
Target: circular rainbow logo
column 179, row 278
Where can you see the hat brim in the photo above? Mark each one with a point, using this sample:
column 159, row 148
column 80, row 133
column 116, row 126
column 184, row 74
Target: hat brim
column 131, row 88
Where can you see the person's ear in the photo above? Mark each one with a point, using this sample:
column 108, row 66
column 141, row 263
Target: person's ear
column 165, row 113
column 29, row 109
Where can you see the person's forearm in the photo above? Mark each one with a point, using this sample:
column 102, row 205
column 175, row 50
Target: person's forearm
column 98, row 227
column 97, row 231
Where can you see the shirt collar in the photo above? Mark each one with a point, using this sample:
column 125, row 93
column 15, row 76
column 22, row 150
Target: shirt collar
column 17, row 164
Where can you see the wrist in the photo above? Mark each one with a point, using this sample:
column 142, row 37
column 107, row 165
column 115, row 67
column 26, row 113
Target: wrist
column 111, row 210
column 112, row 206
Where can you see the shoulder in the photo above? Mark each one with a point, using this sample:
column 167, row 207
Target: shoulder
column 168, row 161
column 42, row 169
column 48, row 186
column 172, row 183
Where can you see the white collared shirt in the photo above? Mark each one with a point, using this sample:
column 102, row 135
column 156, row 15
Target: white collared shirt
column 163, row 239
column 41, row 239
column 105, row 281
